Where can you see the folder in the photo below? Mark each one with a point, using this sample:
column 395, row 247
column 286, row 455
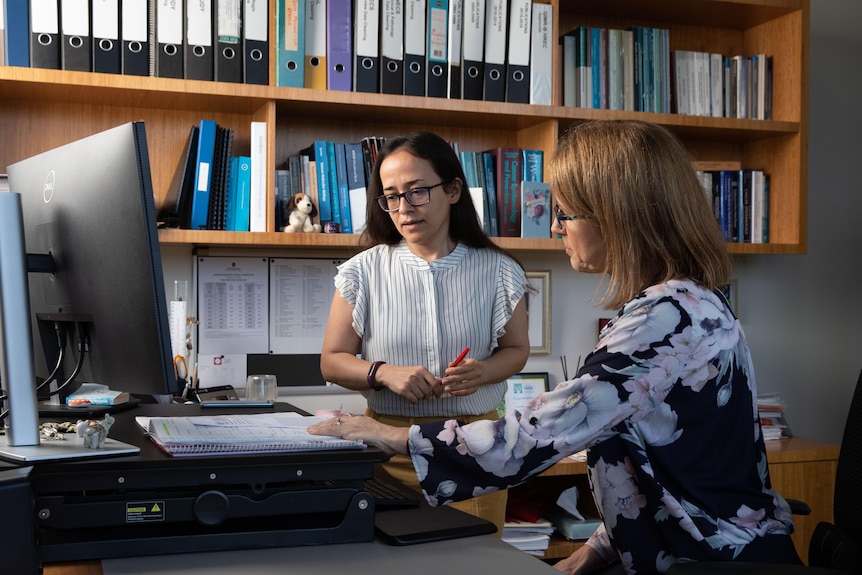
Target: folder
column 290, row 43
column 366, row 47
column 496, row 20
column 257, row 178
column 176, row 209
column 228, row 52
column 203, row 174
column 255, row 42
column 541, row 52
column 518, row 58
column 342, row 186
column 217, row 213
column 135, row 34
column 76, row 53
column 453, row 52
column 438, row 62
column 392, row 47
column 414, row 47
column 18, row 33
column 243, row 194
column 315, row 44
column 339, row 45
column 106, row 36
column 169, row 39
column 356, row 186
column 199, row 51
column 473, row 49
column 45, row 34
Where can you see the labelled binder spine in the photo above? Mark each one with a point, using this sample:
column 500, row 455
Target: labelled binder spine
column 45, row 34
column 339, row 45
column 414, row 47
column 228, row 57
column 453, row 48
column 106, row 36
column 290, row 43
column 392, row 47
column 438, row 63
column 135, row 34
column 518, row 57
column 169, row 39
column 199, row 51
column 494, row 84
column 366, row 66
column 541, row 54
column 76, row 53
column 315, row 44
column 473, row 49
column 255, row 42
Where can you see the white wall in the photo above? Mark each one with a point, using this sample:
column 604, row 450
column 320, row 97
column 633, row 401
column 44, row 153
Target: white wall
column 799, row 312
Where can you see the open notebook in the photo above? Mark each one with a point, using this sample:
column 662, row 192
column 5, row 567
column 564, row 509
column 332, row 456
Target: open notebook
column 239, row 434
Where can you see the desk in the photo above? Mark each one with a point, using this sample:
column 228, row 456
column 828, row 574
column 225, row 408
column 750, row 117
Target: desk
column 800, row 468
column 484, row 555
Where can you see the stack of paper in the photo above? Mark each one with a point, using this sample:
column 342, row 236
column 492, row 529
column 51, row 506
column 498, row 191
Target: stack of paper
column 530, row 537
column 771, row 410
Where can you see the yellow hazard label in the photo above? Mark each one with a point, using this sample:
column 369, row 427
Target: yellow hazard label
column 145, row 511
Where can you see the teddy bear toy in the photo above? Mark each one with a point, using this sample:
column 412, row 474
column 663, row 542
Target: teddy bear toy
column 301, row 212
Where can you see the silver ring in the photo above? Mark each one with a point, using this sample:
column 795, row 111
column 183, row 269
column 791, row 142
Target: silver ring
column 337, row 421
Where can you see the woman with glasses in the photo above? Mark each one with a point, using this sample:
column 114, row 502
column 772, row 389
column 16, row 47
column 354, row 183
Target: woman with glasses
column 431, row 285
column 666, row 402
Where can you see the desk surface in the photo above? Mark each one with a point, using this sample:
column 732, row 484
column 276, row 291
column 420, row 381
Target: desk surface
column 484, row 555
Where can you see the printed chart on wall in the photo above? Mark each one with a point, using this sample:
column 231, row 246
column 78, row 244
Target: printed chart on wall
column 233, row 305
column 301, row 293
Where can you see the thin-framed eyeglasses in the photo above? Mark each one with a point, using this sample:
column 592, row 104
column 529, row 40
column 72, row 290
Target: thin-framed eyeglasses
column 414, row 197
column 563, row 217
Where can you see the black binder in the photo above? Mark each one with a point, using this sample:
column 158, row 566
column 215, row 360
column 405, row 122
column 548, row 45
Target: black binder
column 228, row 57
column 76, row 52
column 255, row 42
column 135, row 32
column 45, row 34
column 106, row 36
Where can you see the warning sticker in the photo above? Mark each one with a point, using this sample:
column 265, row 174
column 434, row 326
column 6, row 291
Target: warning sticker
column 145, row 511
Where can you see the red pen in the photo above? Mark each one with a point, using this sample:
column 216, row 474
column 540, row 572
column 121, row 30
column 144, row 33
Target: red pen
column 461, row 356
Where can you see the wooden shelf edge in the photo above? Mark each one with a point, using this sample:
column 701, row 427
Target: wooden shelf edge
column 349, row 242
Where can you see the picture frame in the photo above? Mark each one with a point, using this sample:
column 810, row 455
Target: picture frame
column 521, row 389
column 539, row 312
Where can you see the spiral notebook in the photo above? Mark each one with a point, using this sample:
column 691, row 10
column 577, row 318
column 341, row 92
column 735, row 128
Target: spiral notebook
column 239, row 434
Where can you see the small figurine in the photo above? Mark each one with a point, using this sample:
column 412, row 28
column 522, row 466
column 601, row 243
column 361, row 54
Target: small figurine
column 301, row 214
column 95, row 431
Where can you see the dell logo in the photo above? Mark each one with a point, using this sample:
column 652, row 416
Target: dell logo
column 48, row 187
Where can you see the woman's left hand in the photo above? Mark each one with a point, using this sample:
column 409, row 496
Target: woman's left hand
column 391, row 440
column 463, row 379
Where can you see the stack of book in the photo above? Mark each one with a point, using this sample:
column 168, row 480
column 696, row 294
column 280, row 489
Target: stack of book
column 770, row 407
column 531, row 537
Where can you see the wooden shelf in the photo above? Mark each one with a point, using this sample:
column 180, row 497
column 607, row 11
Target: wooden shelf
column 41, row 109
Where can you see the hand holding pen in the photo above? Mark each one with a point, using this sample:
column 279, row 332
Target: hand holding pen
column 462, row 378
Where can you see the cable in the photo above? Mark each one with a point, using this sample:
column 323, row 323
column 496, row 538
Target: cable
column 84, row 339
column 61, row 348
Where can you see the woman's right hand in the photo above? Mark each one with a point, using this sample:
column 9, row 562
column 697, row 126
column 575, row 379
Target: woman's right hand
column 413, row 382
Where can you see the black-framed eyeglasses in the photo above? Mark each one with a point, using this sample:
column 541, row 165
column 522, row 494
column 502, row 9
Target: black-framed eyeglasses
column 563, row 217
column 414, row 197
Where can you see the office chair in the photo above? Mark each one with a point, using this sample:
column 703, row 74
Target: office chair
column 835, row 548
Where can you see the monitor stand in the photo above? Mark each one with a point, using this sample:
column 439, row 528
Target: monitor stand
column 23, row 442
column 52, row 450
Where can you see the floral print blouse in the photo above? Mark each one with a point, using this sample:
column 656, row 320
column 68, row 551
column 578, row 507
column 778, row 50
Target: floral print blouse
column 667, row 406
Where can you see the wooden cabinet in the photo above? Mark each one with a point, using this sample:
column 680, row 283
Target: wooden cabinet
column 41, row 109
column 800, row 468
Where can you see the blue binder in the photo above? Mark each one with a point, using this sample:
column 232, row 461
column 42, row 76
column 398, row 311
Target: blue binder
column 203, row 174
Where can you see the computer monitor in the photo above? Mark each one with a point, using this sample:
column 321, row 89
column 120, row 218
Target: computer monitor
column 90, row 206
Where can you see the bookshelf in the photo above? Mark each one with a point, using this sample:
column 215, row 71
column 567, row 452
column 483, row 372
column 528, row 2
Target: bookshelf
column 41, row 109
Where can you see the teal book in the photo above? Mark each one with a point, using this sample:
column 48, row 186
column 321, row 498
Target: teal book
column 341, row 186
column 334, row 200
